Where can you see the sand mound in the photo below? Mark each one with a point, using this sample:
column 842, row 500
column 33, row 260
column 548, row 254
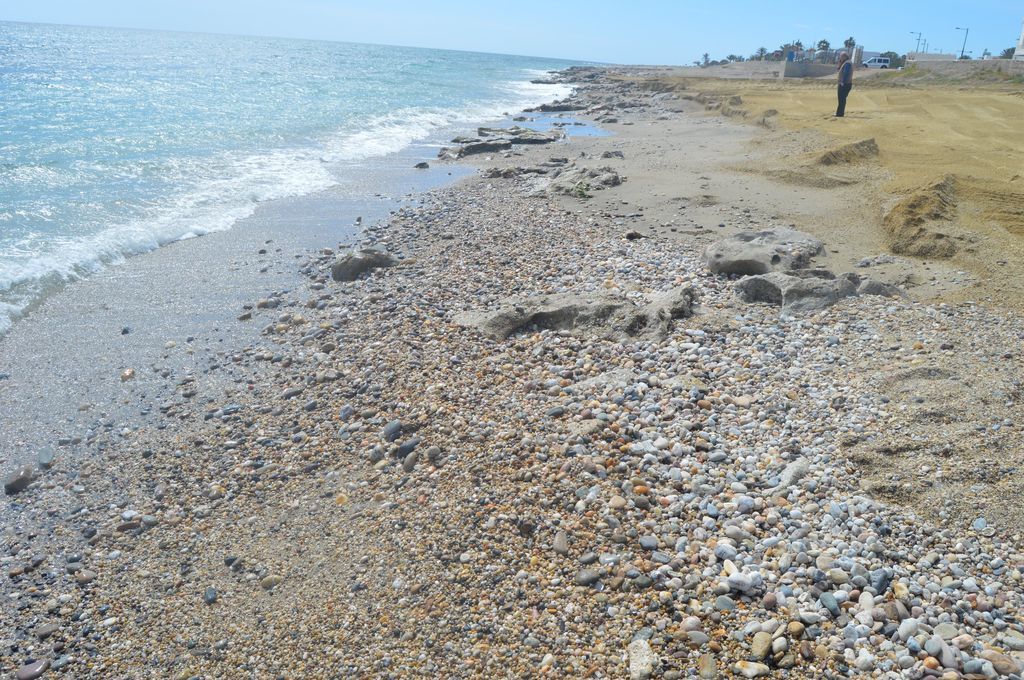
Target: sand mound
column 727, row 105
column 809, row 177
column 850, row 153
column 912, row 221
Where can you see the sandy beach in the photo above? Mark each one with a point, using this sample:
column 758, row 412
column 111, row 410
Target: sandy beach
column 547, row 439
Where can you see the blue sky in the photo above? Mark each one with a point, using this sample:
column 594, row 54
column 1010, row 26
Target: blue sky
column 649, row 32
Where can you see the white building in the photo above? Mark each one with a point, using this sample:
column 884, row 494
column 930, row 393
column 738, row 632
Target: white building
column 1019, row 54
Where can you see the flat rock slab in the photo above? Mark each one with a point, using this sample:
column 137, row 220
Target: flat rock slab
column 588, row 313
column 353, row 265
column 761, row 252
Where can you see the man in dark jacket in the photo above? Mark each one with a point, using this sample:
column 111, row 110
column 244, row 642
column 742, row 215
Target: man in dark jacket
column 845, row 82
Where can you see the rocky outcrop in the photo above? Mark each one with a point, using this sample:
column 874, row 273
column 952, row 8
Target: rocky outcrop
column 353, row 265
column 761, row 252
column 808, row 290
column 600, row 314
column 490, row 140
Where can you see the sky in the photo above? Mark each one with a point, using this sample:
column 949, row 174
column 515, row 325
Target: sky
column 637, row 32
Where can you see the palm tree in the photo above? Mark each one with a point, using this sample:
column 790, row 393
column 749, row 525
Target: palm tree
column 761, row 51
column 706, row 57
column 824, row 45
column 850, row 43
column 1007, row 53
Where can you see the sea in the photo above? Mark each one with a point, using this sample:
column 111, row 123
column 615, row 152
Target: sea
column 115, row 142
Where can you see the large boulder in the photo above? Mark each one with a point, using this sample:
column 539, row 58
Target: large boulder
column 353, row 265
column 760, row 252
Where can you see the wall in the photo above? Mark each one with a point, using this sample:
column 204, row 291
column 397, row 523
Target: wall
column 805, row 69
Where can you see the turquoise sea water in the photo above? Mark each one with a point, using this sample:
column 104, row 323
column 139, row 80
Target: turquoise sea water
column 114, row 142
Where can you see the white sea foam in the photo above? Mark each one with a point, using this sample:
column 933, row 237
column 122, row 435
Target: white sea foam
column 399, row 129
column 214, row 206
column 239, row 184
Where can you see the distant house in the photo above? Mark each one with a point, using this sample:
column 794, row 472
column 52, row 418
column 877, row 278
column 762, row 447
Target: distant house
column 1019, row 54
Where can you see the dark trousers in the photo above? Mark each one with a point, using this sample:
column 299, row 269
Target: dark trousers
column 844, row 92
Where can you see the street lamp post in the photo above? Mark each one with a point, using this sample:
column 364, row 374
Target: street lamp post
column 967, row 31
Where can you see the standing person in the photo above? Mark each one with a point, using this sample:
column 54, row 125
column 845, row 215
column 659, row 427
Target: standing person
column 845, row 82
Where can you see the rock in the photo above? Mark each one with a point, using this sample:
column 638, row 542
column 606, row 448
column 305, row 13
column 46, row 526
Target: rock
column 947, row 631
column 761, row 645
column 724, row 603
column 45, row 457
column 474, row 148
column 865, row 661
column 1004, row 665
column 46, row 630
column 353, row 265
column 270, row 582
column 587, row 577
column 33, row 670
column 210, row 595
column 828, row 601
column 613, row 154
column 409, row 462
column 908, row 628
column 599, row 314
column 422, row 165
column 85, row 577
column 391, row 431
column 564, row 105
column 761, row 252
column 796, row 292
column 1012, row 640
column 561, row 543
column 19, row 480
column 749, row 669
column 706, row 667
column 642, row 660
column 872, row 287
column 792, row 473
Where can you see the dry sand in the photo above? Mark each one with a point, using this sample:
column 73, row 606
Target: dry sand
column 946, row 185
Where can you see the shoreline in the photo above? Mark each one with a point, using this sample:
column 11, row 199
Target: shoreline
column 388, row 492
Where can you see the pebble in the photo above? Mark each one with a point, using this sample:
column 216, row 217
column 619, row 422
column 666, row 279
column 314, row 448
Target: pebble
column 561, row 543
column 33, row 670
column 19, row 480
column 761, row 645
column 642, row 660
column 749, row 669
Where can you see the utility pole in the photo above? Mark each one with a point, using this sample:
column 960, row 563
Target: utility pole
column 967, row 31
column 918, row 48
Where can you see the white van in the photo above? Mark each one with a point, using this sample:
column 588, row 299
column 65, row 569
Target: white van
column 876, row 62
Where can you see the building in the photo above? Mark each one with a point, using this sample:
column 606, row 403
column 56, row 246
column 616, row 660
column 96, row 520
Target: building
column 1019, row 54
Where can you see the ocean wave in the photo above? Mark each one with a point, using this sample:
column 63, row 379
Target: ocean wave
column 218, row 192
column 215, row 205
column 395, row 131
